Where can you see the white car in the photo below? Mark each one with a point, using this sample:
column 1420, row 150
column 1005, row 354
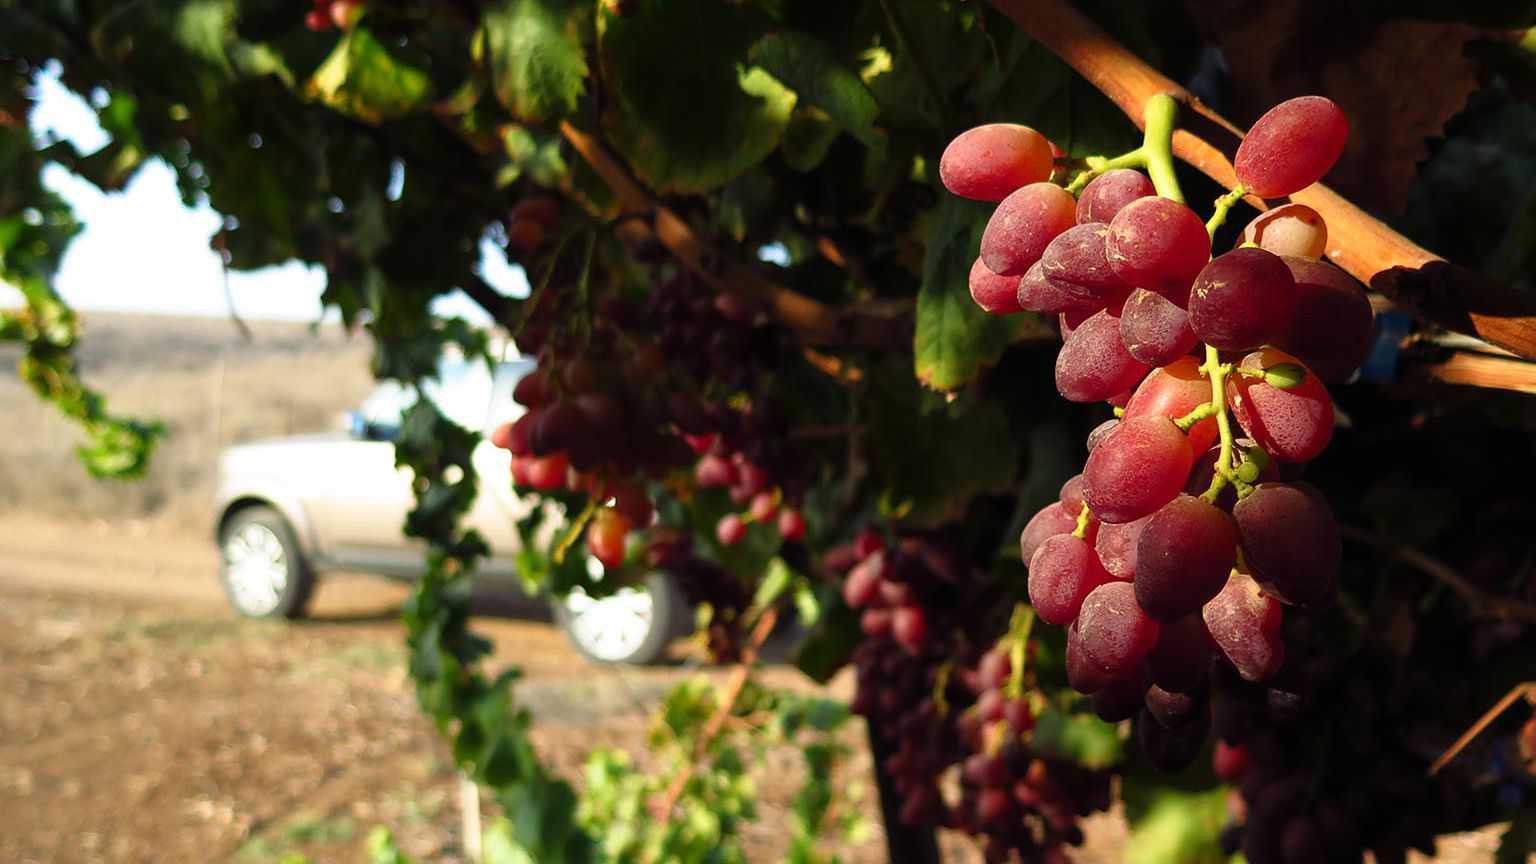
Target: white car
column 290, row 509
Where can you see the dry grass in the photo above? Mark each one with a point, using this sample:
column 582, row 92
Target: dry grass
column 198, row 376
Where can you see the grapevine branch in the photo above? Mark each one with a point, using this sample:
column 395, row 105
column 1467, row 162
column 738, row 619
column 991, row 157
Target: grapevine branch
column 816, row 321
column 1437, row 291
column 1503, row 608
column 1526, row 690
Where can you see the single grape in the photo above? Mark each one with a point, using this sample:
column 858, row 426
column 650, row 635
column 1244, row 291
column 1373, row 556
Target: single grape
column 1116, row 548
column 1116, row 633
column 1293, row 424
column 993, row 670
column 1072, row 496
column 1093, row 364
column 715, row 470
column 1291, row 147
column 1242, row 299
column 1173, row 391
column 996, row 294
column 868, row 542
column 1230, row 761
column 1039, row 294
column 791, row 524
column 1333, row 327
column 1106, row 194
column 1084, row 675
column 531, row 390
column 763, row 507
column 730, row 530
column 1158, row 244
column 1061, row 573
column 909, row 627
column 1023, row 224
column 1101, row 431
column 605, row 537
column 1122, row 698
column 1289, row 230
column 1172, row 748
column 1183, row 556
column 1049, row 522
column 1291, row 542
column 1245, row 624
column 1180, row 659
column 549, row 472
column 1172, row 708
column 1137, row 469
column 988, row 162
column 875, row 622
column 1154, row 329
column 1075, row 261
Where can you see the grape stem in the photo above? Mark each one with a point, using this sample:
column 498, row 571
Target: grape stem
column 1201, row 412
column 1083, row 515
column 573, row 532
column 1019, row 625
column 1224, row 204
column 1155, row 154
column 1223, row 473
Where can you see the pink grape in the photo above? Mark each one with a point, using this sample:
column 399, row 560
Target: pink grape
column 1067, row 322
column 1291, row 147
column 996, row 294
column 1061, row 573
column 1116, row 633
column 1072, row 495
column 1102, row 430
column 1154, row 329
column 1173, row 391
column 1333, row 326
column 1116, row 547
column 1183, row 556
column 1083, row 674
column 1023, row 224
column 1158, row 244
column 988, row 162
column 1180, row 661
column 1293, row 425
column 1075, row 261
column 1039, row 294
column 1137, row 469
column 1106, row 194
column 1242, row 299
column 1093, row 364
column 1049, row 522
column 1290, row 229
column 1245, row 624
column 1290, row 542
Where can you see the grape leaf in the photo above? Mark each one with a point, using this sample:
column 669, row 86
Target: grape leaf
column 954, row 337
column 808, row 66
column 536, row 59
column 688, row 121
column 363, row 79
column 1083, row 738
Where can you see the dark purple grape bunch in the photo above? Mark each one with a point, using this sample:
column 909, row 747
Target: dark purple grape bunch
column 1180, row 541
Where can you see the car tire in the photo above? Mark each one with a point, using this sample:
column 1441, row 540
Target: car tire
column 609, row 630
column 261, row 567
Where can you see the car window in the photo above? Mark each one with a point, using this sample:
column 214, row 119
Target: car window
column 462, row 390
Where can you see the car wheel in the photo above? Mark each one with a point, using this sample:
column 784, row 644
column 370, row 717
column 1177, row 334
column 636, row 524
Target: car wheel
column 263, row 572
column 634, row 625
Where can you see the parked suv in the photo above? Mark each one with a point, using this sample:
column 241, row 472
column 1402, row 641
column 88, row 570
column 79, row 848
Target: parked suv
column 292, row 508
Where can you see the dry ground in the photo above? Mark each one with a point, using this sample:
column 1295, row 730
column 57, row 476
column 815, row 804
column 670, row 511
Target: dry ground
column 140, row 721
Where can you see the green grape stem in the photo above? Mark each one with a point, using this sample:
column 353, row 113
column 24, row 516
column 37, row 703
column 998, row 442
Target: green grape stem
column 1224, row 204
column 1155, row 154
column 1083, row 515
column 1019, row 625
column 1223, row 473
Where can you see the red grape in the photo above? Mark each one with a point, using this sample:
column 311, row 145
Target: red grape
column 1121, row 698
column 1072, row 496
column 1242, row 299
column 1290, row 229
column 1173, row 391
column 988, row 162
column 996, row 294
column 1075, row 261
column 1172, row 708
column 1023, row 224
column 730, row 530
column 548, row 473
column 1093, row 364
column 1049, row 522
column 1154, row 329
column 1084, row 675
column 909, row 626
column 1158, row 244
column 715, row 470
column 605, row 537
column 1106, row 194
column 791, row 524
column 1116, row 633
column 1136, row 469
column 1332, row 328
column 1291, row 147
column 1230, row 761
column 763, row 507
column 1116, row 548
column 1183, row 556
column 1180, row 661
column 1292, row 425
column 1039, row 294
column 1061, row 573
column 862, row 585
column 1290, row 542
column 1245, row 624
column 1101, row 431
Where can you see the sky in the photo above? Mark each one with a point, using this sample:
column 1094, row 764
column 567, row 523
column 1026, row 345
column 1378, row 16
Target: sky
column 144, row 251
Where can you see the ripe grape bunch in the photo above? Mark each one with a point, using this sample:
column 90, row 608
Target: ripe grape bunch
column 1180, row 539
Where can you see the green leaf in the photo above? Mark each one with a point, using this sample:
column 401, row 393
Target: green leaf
column 689, row 120
column 362, row 79
column 954, row 337
column 537, row 64
column 807, row 139
column 1083, row 738
column 809, row 67
column 1170, row 825
column 831, row 642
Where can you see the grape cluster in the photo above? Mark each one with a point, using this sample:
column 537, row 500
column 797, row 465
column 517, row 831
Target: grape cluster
column 958, row 716
column 704, row 583
column 1179, row 541
column 325, row 14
